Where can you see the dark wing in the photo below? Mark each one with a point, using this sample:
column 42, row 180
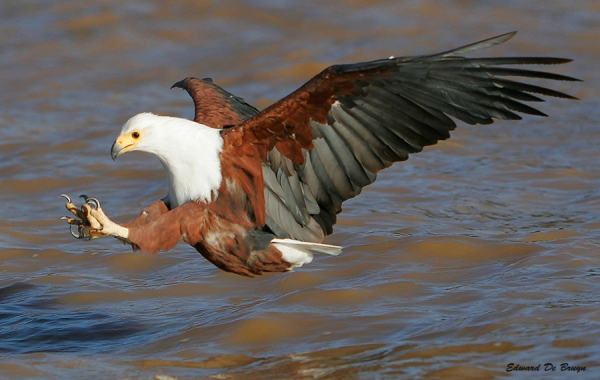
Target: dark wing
column 215, row 107
column 328, row 139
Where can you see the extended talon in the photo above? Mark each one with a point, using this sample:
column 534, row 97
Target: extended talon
column 85, row 230
column 80, row 235
column 72, row 207
column 94, row 202
column 85, row 233
column 89, row 219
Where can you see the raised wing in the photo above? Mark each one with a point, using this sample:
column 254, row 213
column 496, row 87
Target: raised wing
column 328, row 139
column 215, row 107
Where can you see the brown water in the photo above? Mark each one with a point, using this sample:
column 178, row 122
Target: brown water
column 477, row 253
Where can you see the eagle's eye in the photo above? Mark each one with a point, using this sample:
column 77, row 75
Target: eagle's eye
column 135, row 135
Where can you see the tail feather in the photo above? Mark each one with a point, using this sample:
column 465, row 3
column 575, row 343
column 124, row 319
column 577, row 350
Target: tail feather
column 298, row 252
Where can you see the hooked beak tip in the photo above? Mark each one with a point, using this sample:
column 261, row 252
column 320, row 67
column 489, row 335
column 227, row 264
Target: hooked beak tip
column 115, row 150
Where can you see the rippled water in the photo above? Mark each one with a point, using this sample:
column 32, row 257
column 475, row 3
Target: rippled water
column 477, row 253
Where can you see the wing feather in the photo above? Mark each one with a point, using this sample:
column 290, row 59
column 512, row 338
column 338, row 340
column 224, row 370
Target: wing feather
column 345, row 157
column 320, row 145
column 360, row 141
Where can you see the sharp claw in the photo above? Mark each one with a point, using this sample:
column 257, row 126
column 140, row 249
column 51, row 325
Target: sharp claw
column 93, row 202
column 84, row 230
column 76, row 236
column 79, row 235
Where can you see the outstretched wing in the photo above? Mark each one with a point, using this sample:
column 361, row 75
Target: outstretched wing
column 328, row 139
column 320, row 145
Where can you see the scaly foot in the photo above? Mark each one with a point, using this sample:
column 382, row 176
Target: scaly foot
column 91, row 221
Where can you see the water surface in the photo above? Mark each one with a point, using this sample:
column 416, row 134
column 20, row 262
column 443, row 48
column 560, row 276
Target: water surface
column 479, row 252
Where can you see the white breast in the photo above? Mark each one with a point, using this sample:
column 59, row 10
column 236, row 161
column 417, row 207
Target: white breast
column 189, row 151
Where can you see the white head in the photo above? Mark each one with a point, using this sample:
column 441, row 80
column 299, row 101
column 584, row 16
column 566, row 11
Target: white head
column 189, row 152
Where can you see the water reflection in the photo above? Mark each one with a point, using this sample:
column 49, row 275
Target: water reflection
column 32, row 322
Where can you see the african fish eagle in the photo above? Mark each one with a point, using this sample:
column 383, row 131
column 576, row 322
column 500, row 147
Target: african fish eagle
column 258, row 191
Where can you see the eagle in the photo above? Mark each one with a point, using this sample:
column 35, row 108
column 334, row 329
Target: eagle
column 258, row 191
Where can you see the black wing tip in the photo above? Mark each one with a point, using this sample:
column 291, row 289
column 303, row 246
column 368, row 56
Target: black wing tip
column 505, row 36
column 181, row 84
column 562, row 95
column 535, row 112
column 184, row 83
column 560, row 61
column 479, row 45
column 571, row 79
column 491, row 41
column 540, row 60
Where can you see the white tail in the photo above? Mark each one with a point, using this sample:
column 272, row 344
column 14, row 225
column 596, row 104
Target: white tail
column 298, row 252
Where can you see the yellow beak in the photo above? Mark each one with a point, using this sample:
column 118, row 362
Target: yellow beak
column 122, row 144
